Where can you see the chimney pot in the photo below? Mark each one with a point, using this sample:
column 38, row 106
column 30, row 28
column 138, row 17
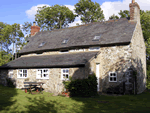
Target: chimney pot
column 34, row 29
column 34, row 23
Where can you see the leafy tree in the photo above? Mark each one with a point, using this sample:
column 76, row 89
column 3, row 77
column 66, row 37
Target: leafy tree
column 89, row 11
column 26, row 27
column 54, row 17
column 124, row 13
column 16, row 35
column 113, row 17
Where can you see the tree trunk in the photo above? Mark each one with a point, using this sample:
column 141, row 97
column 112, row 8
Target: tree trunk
column 13, row 51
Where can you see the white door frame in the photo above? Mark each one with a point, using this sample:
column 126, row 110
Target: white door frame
column 97, row 75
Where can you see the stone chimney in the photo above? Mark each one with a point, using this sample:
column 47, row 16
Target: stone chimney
column 134, row 11
column 34, row 29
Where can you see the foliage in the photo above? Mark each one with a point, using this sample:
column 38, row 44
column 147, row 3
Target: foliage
column 89, row 11
column 124, row 13
column 54, row 17
column 82, row 87
column 10, row 83
column 113, row 17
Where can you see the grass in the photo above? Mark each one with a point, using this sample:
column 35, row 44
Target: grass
column 17, row 101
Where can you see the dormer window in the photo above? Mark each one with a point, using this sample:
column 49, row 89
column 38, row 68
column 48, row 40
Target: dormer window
column 43, row 43
column 65, row 41
column 96, row 38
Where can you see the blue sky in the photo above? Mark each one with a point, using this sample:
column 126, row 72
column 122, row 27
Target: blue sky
column 20, row 11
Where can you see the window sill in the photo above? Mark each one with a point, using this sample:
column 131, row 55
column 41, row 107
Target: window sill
column 42, row 78
column 22, row 77
column 112, row 81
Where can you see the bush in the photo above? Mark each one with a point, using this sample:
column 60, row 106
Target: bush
column 10, row 83
column 82, row 87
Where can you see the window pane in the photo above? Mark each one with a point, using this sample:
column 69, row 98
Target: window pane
column 24, row 71
column 20, row 75
column 110, row 78
column 64, row 71
column 45, row 75
column 45, row 70
column 114, row 78
column 64, row 76
column 20, row 70
column 110, row 74
column 67, row 71
column 67, row 76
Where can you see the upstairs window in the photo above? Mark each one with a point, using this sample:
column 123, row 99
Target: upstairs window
column 42, row 74
column 96, row 38
column 112, row 77
column 22, row 73
column 42, row 44
column 94, row 48
column 64, row 51
column 65, row 74
column 65, row 41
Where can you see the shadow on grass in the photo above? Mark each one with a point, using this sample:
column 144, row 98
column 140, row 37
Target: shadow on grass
column 41, row 105
column 6, row 94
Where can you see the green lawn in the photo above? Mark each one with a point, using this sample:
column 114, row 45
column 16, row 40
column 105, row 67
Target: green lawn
column 17, row 101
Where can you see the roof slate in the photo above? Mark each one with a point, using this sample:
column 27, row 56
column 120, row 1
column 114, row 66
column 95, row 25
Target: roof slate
column 51, row 61
column 119, row 31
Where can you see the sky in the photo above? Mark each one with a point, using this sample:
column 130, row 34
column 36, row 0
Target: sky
column 20, row 11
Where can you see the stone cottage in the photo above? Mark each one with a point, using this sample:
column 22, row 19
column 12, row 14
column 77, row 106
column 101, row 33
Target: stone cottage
column 111, row 50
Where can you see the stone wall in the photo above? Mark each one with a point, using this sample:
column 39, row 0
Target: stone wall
column 114, row 59
column 53, row 84
column 139, row 57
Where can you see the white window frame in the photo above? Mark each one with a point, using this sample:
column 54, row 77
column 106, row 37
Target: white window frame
column 90, row 49
column 10, row 74
column 62, row 73
column 76, row 50
column 37, row 73
column 18, row 73
column 112, row 76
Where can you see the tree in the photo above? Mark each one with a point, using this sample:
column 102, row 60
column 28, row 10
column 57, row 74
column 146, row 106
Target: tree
column 54, row 17
column 113, row 17
column 124, row 13
column 89, row 11
column 26, row 27
column 16, row 35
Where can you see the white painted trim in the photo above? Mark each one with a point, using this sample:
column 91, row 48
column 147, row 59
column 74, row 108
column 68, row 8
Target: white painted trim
column 43, row 73
column 98, row 76
column 94, row 49
column 18, row 75
column 109, row 77
column 10, row 72
column 63, row 73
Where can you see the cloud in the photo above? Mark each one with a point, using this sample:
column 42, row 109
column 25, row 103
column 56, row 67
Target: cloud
column 33, row 10
column 110, row 8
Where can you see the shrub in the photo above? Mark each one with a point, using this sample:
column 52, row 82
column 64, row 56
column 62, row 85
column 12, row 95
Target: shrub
column 10, row 83
column 82, row 87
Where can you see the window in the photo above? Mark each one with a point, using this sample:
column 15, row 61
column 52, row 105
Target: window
column 73, row 50
column 96, row 38
column 94, row 48
column 65, row 41
column 42, row 74
column 10, row 74
column 42, row 44
column 22, row 73
column 64, row 51
column 112, row 77
column 65, row 74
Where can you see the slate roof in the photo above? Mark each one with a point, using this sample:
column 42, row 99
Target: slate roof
column 119, row 31
column 51, row 61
